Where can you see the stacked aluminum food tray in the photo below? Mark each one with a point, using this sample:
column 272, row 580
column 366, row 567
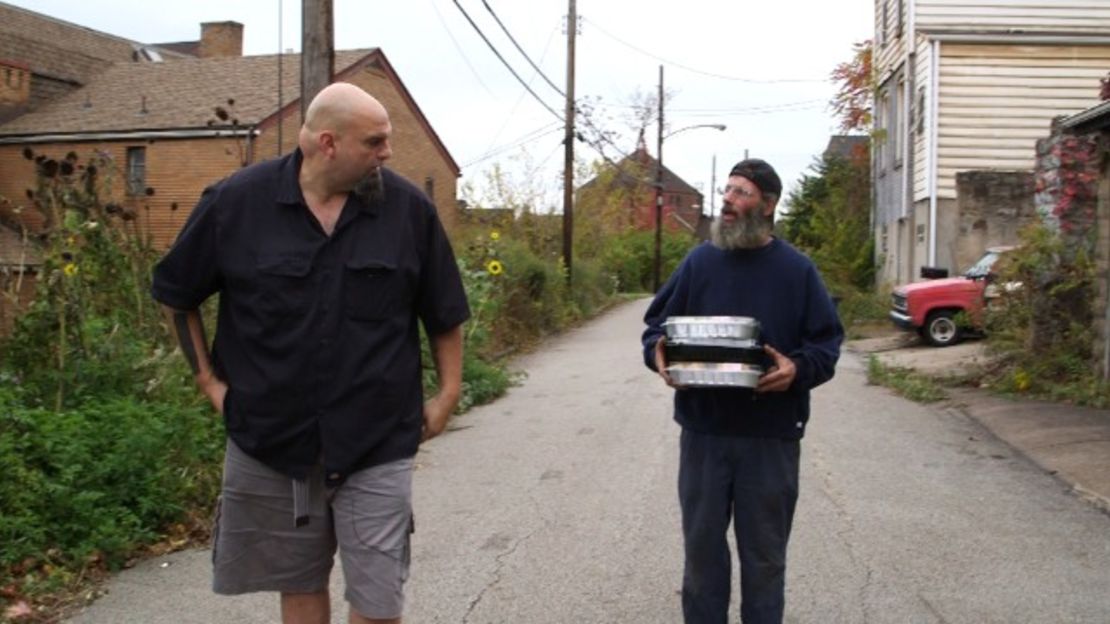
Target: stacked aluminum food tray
column 714, row 351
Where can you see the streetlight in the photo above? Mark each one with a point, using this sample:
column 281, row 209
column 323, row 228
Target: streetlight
column 659, row 190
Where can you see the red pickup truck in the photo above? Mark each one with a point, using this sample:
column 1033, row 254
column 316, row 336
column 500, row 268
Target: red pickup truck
column 930, row 307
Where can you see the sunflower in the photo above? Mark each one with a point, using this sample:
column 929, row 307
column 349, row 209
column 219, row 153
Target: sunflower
column 495, row 235
column 494, row 267
column 70, row 269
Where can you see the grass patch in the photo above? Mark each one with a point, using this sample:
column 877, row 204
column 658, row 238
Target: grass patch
column 906, row 382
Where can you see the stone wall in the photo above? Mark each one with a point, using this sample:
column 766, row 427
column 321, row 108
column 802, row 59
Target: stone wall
column 1067, row 176
column 992, row 207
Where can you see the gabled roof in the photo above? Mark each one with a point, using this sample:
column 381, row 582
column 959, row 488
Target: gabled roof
column 847, row 146
column 641, row 161
column 59, row 49
column 130, row 97
column 134, row 98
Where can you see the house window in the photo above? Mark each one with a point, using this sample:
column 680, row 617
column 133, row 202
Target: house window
column 921, row 233
column 136, row 170
column 881, row 124
column 430, row 187
column 883, row 244
column 901, row 11
column 895, row 124
column 881, row 30
column 920, row 110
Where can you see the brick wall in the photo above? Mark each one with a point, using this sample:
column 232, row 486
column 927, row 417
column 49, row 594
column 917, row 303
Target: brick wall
column 15, row 83
column 176, row 169
column 220, row 39
column 415, row 155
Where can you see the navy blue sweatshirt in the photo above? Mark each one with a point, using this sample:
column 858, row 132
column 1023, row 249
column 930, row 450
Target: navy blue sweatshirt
column 778, row 286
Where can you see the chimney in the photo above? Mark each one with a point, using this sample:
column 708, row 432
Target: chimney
column 220, row 39
column 15, row 83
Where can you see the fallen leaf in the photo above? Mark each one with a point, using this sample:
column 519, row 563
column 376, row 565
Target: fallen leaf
column 18, row 611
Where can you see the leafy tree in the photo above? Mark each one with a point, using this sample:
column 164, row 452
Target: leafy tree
column 855, row 89
column 829, row 218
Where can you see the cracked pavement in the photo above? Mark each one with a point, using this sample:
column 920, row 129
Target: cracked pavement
column 557, row 504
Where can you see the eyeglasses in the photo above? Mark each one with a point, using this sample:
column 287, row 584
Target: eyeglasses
column 737, row 191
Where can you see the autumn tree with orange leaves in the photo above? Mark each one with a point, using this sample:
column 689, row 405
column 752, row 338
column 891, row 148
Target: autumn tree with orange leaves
column 855, row 90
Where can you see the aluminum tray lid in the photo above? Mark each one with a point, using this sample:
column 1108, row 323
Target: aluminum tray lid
column 708, row 375
column 743, row 327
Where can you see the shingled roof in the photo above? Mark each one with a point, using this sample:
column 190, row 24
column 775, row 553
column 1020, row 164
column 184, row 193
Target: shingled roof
column 132, row 97
column 641, row 161
column 59, row 49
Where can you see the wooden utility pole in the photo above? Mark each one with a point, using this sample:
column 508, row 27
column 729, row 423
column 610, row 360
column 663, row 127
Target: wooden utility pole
column 659, row 192
column 317, row 49
column 568, row 147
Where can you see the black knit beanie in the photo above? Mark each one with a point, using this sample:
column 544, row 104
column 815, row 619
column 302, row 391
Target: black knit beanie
column 760, row 173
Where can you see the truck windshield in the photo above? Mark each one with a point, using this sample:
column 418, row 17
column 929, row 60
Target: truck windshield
column 983, row 267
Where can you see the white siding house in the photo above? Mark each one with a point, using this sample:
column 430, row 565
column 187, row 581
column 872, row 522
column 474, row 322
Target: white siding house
column 968, row 85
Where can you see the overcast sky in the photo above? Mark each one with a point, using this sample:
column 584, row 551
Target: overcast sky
column 761, row 68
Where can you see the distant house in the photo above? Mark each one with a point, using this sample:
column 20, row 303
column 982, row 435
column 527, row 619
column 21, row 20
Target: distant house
column 970, row 87
column 174, row 123
column 634, row 177
column 848, row 147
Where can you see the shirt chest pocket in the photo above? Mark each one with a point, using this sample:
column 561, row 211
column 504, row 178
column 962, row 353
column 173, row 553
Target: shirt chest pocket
column 284, row 286
column 373, row 290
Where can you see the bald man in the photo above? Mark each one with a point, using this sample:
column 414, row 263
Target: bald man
column 324, row 261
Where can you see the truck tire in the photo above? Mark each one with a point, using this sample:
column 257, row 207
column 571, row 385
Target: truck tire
column 941, row 329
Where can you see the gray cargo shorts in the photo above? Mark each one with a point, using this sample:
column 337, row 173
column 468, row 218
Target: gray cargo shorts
column 257, row 547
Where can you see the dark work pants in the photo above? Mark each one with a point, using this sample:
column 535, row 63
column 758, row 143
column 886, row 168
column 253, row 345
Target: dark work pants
column 754, row 483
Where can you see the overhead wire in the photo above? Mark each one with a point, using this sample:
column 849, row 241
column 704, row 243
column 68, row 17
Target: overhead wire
column 521, row 50
column 458, row 47
column 504, row 62
column 512, row 111
column 534, row 135
column 694, row 69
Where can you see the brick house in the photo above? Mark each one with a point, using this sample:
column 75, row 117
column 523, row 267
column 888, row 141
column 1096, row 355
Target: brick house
column 634, row 177
column 173, row 123
column 174, row 117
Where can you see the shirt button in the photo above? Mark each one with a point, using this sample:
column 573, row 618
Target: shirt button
column 334, row 476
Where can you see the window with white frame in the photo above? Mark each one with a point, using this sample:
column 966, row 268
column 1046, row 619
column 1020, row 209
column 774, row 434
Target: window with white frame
column 136, row 170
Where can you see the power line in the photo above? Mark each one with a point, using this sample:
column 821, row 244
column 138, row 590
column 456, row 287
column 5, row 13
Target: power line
column 534, row 135
column 739, row 109
column 504, row 62
column 512, row 111
column 768, row 111
column 693, row 69
column 466, row 60
column 521, row 50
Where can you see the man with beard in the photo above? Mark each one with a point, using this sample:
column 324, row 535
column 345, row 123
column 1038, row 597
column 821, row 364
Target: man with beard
column 739, row 447
column 324, row 260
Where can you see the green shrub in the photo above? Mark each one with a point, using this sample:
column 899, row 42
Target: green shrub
column 630, row 258
column 96, row 482
column 1042, row 333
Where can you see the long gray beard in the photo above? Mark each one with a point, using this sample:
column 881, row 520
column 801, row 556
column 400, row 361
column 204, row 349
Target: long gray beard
column 371, row 188
column 749, row 231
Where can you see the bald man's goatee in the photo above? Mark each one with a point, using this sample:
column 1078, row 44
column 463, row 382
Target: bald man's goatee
column 371, row 188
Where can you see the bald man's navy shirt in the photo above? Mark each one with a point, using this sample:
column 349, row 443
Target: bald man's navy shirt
column 317, row 336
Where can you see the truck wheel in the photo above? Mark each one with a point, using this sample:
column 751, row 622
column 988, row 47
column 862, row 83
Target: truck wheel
column 941, row 329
